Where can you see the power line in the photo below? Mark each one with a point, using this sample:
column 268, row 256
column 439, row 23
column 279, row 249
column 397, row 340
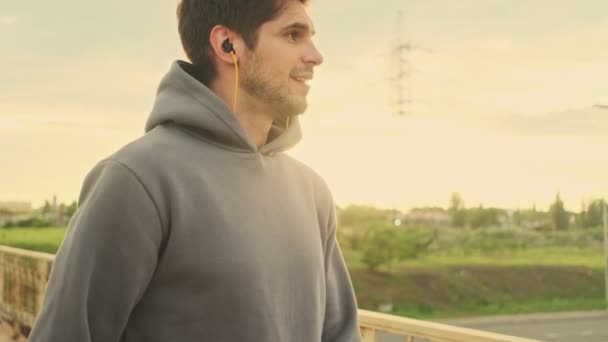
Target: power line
column 401, row 56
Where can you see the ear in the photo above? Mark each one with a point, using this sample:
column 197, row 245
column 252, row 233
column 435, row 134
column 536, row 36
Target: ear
column 217, row 37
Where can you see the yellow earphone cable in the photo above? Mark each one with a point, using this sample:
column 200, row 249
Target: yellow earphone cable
column 236, row 82
column 236, row 86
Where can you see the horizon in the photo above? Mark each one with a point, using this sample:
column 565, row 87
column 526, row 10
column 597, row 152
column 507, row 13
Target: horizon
column 536, row 206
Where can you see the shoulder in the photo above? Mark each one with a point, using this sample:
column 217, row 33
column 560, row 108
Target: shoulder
column 135, row 163
column 146, row 161
column 149, row 150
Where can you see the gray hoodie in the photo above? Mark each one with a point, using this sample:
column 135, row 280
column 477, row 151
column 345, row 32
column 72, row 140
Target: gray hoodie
column 192, row 233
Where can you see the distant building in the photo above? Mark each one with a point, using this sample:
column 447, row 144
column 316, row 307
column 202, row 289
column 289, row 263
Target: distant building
column 10, row 211
column 432, row 216
column 16, row 207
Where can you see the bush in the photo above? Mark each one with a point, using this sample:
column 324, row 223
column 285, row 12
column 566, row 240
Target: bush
column 493, row 240
column 382, row 244
column 29, row 222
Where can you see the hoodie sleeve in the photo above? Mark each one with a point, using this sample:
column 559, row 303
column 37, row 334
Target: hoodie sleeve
column 341, row 313
column 105, row 262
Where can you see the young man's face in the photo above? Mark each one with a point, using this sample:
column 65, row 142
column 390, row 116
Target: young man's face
column 276, row 71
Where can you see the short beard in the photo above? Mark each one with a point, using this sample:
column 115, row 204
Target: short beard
column 274, row 94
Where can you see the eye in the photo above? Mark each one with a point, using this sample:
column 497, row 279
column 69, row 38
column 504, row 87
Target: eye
column 293, row 35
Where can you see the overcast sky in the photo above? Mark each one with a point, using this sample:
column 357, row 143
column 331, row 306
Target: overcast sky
column 503, row 97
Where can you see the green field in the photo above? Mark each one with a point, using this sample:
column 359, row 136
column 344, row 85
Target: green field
column 36, row 239
column 48, row 240
column 503, row 308
column 555, row 256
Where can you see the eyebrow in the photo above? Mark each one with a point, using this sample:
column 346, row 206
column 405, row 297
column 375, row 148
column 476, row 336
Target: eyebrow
column 300, row 26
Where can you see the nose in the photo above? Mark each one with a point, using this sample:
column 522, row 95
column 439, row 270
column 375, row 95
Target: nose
column 313, row 56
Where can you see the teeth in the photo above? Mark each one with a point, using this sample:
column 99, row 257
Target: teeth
column 303, row 80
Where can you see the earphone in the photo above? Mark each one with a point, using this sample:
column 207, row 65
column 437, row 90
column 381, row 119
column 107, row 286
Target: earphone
column 229, row 48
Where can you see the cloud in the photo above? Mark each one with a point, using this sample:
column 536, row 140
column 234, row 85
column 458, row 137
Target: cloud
column 8, row 20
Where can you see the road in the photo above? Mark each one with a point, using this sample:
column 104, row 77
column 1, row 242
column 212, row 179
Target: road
column 561, row 327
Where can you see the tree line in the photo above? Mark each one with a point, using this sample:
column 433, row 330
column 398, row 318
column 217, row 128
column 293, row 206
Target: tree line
column 557, row 217
column 383, row 237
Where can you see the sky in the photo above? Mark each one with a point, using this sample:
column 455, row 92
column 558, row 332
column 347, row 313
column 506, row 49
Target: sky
column 503, row 92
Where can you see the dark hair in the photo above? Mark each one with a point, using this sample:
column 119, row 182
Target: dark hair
column 196, row 19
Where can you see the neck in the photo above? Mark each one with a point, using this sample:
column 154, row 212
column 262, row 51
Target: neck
column 253, row 116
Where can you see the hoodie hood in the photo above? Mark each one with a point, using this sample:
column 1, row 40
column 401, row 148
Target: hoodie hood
column 183, row 100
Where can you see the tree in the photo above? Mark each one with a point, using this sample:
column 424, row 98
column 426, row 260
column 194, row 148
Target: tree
column 532, row 218
column 379, row 246
column 457, row 210
column 592, row 215
column 47, row 207
column 484, row 217
column 383, row 243
column 71, row 209
column 356, row 215
column 559, row 215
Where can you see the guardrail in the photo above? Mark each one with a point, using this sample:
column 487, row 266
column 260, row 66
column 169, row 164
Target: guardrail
column 24, row 276
column 23, row 280
column 412, row 330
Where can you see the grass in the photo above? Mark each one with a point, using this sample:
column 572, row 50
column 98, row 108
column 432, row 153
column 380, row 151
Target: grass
column 37, row 239
column 561, row 256
column 422, row 311
column 557, row 256
column 469, row 290
column 459, row 284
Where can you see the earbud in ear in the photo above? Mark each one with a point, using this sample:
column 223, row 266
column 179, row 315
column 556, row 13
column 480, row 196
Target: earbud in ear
column 227, row 46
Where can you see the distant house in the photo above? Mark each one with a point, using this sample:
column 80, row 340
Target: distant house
column 429, row 215
column 16, row 207
column 18, row 212
column 9, row 211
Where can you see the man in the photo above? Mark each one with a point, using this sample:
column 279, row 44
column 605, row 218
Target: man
column 202, row 229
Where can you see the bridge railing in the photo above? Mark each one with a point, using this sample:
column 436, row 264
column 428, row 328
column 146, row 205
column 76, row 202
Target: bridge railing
column 23, row 279
column 24, row 276
column 414, row 330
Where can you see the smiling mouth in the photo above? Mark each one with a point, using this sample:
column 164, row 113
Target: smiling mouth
column 303, row 80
